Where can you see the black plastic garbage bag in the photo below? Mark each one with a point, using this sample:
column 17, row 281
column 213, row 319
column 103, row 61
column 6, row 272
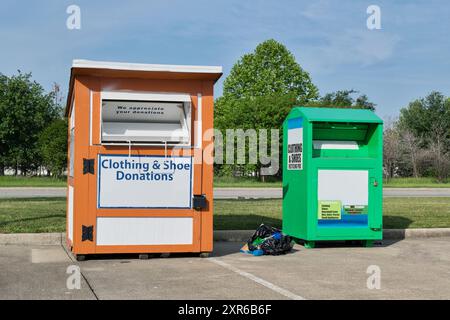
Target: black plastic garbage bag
column 274, row 247
column 270, row 241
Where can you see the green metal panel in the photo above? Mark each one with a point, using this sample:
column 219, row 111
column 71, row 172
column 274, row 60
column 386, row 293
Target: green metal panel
column 347, row 171
column 339, row 115
column 295, row 195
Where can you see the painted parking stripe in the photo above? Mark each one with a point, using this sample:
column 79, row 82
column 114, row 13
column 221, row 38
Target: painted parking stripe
column 256, row 279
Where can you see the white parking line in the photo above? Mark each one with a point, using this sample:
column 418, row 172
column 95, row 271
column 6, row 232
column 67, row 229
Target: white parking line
column 256, row 279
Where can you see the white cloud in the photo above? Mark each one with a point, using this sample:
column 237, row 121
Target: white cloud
column 316, row 10
column 357, row 48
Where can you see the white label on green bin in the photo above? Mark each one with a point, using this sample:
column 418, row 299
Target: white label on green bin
column 295, row 144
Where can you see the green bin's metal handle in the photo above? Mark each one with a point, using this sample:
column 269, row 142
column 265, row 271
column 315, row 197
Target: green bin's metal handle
column 345, row 128
column 374, row 181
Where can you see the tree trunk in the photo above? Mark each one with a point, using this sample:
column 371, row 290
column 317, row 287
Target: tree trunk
column 414, row 167
column 389, row 170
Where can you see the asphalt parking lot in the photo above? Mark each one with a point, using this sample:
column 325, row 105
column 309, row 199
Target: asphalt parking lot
column 409, row 269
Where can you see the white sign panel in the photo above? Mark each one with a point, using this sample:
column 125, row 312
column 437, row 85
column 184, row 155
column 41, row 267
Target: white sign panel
column 121, row 231
column 295, row 144
column 144, row 182
column 351, row 187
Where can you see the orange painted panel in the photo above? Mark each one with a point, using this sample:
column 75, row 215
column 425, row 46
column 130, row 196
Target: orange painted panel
column 208, row 170
column 82, row 216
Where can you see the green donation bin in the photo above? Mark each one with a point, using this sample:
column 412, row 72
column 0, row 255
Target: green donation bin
column 332, row 175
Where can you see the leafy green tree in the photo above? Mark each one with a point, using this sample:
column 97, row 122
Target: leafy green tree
column 53, row 147
column 343, row 99
column 258, row 94
column 424, row 127
column 25, row 110
column 258, row 113
column 428, row 117
column 263, row 112
column 3, row 145
column 270, row 70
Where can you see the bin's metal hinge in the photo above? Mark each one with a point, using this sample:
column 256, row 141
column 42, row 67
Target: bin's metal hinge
column 199, row 202
column 87, row 233
column 88, row 166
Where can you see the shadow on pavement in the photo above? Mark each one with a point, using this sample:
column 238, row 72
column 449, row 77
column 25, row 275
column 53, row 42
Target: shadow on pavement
column 397, row 222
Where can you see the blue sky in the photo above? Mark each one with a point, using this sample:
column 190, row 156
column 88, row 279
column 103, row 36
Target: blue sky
column 406, row 59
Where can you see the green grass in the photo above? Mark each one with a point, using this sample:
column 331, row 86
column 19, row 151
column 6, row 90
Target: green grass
column 246, row 214
column 416, row 212
column 33, row 215
column 424, row 182
column 12, row 181
column 222, row 182
column 48, row 214
column 239, row 182
column 398, row 213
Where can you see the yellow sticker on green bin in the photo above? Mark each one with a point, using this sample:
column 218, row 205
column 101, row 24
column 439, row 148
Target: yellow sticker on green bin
column 330, row 210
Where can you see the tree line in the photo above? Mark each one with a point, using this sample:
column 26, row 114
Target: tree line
column 259, row 92
column 264, row 85
column 418, row 142
column 33, row 132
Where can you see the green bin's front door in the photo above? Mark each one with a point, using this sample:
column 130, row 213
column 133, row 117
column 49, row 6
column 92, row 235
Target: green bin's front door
column 345, row 204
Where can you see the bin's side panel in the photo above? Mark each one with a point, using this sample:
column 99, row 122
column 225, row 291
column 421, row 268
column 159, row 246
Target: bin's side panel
column 207, row 165
column 198, row 170
column 81, row 214
column 376, row 220
column 70, row 180
column 294, row 178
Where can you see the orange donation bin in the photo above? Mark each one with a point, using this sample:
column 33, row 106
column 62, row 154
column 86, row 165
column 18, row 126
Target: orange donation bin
column 139, row 180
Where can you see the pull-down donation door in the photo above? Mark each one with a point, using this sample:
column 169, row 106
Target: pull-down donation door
column 155, row 122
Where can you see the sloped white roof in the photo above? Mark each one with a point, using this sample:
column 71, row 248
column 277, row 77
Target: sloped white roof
column 79, row 63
